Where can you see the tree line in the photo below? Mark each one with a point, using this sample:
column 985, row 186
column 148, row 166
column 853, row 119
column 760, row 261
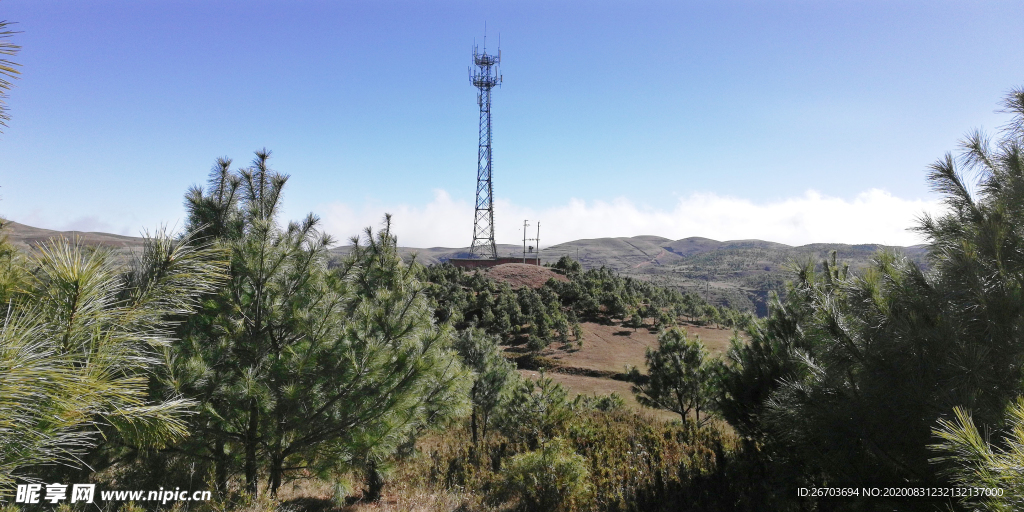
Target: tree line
column 553, row 312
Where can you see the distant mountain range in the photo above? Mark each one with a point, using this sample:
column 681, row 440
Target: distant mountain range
column 740, row 273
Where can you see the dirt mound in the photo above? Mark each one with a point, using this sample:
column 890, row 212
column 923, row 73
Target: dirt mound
column 520, row 274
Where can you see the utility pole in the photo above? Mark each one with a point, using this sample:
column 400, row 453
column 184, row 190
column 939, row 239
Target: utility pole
column 526, row 224
column 538, row 242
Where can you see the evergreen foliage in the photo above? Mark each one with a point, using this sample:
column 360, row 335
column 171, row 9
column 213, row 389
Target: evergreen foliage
column 298, row 366
column 492, row 375
column 8, row 69
column 553, row 312
column 80, row 336
column 535, row 412
column 849, row 376
column 753, row 370
column 679, row 376
column 13, row 275
column 976, row 463
column 552, row 477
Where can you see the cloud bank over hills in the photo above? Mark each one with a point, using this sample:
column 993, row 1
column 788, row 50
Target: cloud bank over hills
column 872, row 216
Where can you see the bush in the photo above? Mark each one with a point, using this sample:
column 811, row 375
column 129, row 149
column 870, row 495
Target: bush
column 535, row 412
column 604, row 403
column 550, row 478
column 633, row 462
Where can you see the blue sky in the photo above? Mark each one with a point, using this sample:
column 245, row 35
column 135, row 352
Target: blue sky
column 792, row 121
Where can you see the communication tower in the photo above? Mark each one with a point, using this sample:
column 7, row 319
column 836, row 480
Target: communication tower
column 485, row 77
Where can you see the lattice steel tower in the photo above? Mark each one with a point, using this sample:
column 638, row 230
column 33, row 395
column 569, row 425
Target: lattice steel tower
column 484, row 77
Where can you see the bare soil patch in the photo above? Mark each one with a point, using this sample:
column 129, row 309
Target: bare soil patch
column 521, row 274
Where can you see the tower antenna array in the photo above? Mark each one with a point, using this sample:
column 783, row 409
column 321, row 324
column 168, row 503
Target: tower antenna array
column 485, row 77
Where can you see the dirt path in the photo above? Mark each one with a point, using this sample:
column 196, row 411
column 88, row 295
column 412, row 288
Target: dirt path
column 653, row 260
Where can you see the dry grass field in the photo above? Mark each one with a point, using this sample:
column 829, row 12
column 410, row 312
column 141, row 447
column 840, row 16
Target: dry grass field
column 612, row 349
column 405, row 492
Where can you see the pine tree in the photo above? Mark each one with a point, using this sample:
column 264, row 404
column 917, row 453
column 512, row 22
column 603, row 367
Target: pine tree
column 299, row 366
column 492, row 373
column 679, row 376
column 79, row 337
column 8, row 69
column 851, row 374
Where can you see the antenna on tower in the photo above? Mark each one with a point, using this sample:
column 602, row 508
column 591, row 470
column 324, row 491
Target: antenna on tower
column 484, row 78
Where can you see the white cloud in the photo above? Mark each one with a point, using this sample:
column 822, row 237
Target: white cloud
column 441, row 223
column 88, row 223
column 873, row 216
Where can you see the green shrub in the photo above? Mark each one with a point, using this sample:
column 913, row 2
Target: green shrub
column 634, row 463
column 550, row 478
column 604, row 403
column 534, row 412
